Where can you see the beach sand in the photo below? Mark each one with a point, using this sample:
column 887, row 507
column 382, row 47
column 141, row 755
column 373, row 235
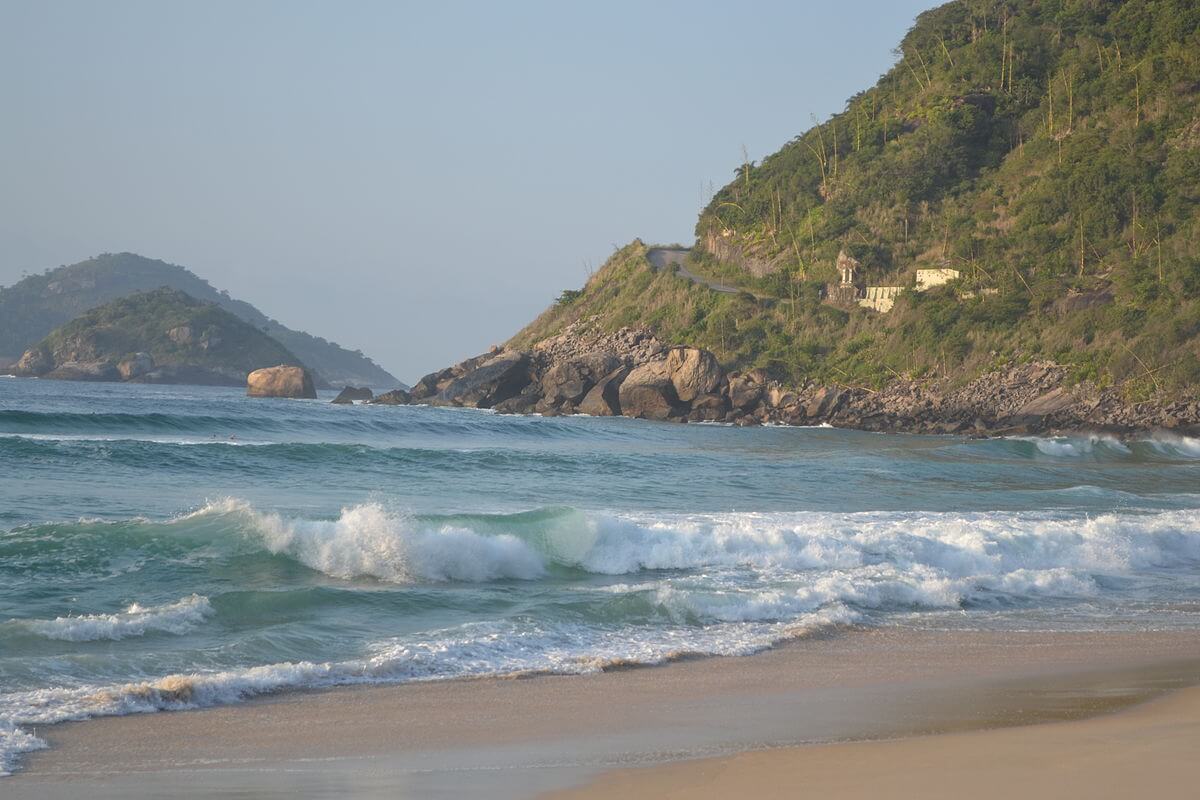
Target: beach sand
column 1151, row 750
column 703, row 725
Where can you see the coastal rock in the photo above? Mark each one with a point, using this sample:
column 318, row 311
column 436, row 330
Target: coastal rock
column 709, row 408
column 648, row 393
column 281, row 381
column 745, row 393
column 494, row 381
column 84, row 371
column 35, row 361
column 604, row 399
column 396, row 397
column 349, row 394
column 694, row 372
column 824, row 402
column 135, row 366
column 566, row 381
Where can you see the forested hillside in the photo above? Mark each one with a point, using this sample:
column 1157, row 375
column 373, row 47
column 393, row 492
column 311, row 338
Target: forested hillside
column 34, row 306
column 1049, row 151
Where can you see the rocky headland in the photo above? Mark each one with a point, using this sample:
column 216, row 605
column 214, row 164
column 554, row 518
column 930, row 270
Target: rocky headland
column 632, row 373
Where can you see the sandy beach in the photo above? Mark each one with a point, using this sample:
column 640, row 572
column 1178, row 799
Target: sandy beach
column 947, row 700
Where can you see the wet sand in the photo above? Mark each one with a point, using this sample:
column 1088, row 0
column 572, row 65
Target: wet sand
column 1151, row 750
column 520, row 737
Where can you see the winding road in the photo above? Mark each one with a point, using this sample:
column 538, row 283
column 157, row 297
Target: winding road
column 660, row 257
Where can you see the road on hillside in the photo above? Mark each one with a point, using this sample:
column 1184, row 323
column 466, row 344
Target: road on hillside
column 661, row 257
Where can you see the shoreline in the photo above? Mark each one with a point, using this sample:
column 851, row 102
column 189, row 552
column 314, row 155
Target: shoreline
column 507, row 737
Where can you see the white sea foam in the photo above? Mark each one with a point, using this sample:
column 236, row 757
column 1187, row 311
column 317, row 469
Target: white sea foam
column 136, row 620
column 470, row 650
column 170, row 440
column 368, row 540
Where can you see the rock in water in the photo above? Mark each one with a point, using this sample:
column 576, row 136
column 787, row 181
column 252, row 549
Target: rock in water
column 492, row 382
column 604, row 400
column 351, row 393
column 694, row 372
column 396, row 397
column 281, row 381
column 648, row 393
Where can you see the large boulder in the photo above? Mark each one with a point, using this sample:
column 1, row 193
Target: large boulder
column 494, row 381
column 566, row 381
column 349, row 394
column 135, row 366
column 281, row 381
column 825, row 402
column 694, row 372
column 745, row 392
column 604, row 399
column 648, row 393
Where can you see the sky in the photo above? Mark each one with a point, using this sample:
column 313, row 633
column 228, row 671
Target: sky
column 417, row 180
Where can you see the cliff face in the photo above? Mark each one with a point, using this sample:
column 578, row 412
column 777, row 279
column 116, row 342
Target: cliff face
column 164, row 336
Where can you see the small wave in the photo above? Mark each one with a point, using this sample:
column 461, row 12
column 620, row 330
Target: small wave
column 472, row 650
column 136, row 620
column 1075, row 446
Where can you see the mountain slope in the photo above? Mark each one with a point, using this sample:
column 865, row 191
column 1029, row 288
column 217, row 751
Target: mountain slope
column 1048, row 151
column 32, row 307
column 162, row 336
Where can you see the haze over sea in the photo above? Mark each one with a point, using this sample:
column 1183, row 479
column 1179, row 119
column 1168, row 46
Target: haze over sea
column 166, row 548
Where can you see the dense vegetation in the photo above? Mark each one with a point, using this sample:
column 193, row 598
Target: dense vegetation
column 174, row 328
column 1049, row 150
column 32, row 307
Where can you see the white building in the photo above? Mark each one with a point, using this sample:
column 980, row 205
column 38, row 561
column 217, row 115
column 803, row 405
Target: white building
column 929, row 278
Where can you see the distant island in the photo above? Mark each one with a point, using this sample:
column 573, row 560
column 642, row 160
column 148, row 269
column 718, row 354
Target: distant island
column 161, row 336
column 34, row 306
column 1001, row 235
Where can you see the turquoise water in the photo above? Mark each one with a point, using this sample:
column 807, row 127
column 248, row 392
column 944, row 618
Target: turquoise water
column 173, row 547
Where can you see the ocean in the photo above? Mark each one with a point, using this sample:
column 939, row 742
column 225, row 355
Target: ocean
column 166, row 548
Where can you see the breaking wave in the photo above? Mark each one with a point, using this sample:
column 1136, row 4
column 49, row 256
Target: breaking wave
column 136, row 620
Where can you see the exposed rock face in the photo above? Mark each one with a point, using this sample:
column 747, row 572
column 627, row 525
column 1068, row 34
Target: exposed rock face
column 604, row 399
column 281, row 381
column 396, row 397
column 630, row 373
column 135, row 366
column 694, row 372
column 351, row 393
column 35, row 361
column 648, row 393
column 495, row 380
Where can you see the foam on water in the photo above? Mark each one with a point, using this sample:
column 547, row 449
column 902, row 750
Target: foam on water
column 136, row 620
column 470, row 650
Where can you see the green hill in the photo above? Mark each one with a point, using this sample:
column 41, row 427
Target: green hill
column 1049, row 152
column 162, row 336
column 34, row 306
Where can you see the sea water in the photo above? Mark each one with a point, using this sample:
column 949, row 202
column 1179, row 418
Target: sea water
column 169, row 548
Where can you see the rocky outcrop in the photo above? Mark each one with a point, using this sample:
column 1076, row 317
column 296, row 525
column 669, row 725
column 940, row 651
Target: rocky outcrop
column 348, row 395
column 135, row 366
column 281, row 381
column 648, row 393
column 631, row 373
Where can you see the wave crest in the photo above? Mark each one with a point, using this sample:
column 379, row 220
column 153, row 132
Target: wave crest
column 136, row 620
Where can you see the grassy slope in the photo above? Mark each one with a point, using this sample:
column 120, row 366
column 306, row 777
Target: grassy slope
column 140, row 322
column 1044, row 149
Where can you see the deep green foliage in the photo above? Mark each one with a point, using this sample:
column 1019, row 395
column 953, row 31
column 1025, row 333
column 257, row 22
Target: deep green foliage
column 174, row 328
column 1049, row 150
column 34, row 306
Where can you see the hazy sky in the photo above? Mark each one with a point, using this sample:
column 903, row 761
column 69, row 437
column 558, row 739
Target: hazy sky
column 417, row 180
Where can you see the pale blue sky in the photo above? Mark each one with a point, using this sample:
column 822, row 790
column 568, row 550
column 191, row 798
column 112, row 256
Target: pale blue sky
column 417, row 180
